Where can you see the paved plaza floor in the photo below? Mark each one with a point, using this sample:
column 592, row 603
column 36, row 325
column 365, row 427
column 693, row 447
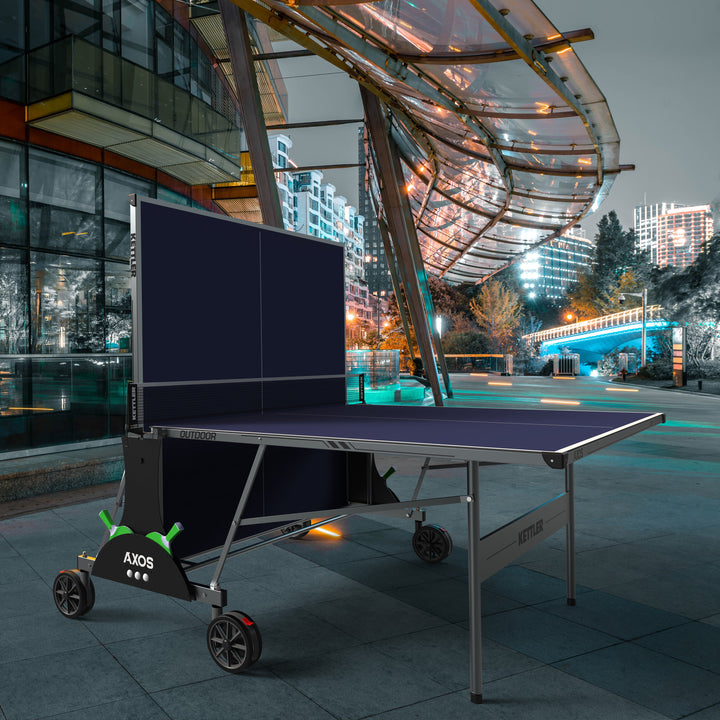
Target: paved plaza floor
column 358, row 627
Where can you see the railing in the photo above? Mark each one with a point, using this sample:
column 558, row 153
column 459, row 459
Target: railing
column 54, row 399
column 73, row 64
column 626, row 317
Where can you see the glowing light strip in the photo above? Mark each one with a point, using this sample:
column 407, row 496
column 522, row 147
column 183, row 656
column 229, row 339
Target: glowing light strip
column 559, row 402
column 499, row 383
column 325, row 531
column 32, row 408
column 563, row 377
column 613, row 389
column 616, row 329
column 480, row 374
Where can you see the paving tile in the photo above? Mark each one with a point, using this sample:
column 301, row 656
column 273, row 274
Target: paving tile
column 390, row 541
column 547, row 694
column 613, row 615
column 30, row 595
column 358, row 682
column 331, row 551
column 647, row 678
column 670, row 591
column 6, row 549
column 255, row 695
column 542, row 694
column 42, row 633
column 710, row 713
column 543, row 636
column 295, row 634
column 142, row 707
column 391, row 572
column 712, row 620
column 455, row 705
column 694, row 643
column 63, row 682
column 527, row 586
column 14, row 570
column 135, row 617
column 309, row 585
column 374, row 615
column 271, row 558
column 444, row 655
column 169, row 660
column 446, row 599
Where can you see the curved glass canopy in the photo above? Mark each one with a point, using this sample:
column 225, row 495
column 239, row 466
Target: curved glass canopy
column 504, row 138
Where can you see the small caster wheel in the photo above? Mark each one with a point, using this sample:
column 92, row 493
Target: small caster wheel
column 297, row 526
column 72, row 596
column 234, row 641
column 432, row 543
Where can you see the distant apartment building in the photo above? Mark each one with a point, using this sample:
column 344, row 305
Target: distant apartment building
column 646, row 226
column 553, row 268
column 280, row 149
column 681, row 234
column 312, row 207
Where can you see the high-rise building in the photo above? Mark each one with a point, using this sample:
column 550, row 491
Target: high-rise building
column 318, row 211
column 646, row 226
column 377, row 273
column 553, row 268
column 681, row 235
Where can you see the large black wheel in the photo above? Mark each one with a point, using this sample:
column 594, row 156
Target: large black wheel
column 432, row 543
column 72, row 597
column 234, row 641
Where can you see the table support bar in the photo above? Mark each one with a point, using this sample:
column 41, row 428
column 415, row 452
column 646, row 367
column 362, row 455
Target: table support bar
column 474, row 582
column 238, row 514
column 570, row 534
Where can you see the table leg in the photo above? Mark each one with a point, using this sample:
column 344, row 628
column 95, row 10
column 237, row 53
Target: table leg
column 474, row 583
column 570, row 535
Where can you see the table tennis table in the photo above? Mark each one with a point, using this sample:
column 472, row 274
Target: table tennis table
column 219, row 464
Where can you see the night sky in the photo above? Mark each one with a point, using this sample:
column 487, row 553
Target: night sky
column 657, row 63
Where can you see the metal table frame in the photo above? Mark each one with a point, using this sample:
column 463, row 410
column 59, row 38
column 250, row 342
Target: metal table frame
column 487, row 554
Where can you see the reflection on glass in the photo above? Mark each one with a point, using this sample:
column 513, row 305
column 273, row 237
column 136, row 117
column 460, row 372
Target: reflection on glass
column 65, row 304
column 13, row 308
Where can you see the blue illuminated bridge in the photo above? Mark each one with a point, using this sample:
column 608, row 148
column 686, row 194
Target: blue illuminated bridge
column 592, row 339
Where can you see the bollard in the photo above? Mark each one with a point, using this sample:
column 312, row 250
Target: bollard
column 699, row 384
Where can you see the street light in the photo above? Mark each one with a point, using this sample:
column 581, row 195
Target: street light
column 643, row 295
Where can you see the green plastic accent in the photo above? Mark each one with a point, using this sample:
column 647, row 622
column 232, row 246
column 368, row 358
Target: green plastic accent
column 164, row 540
column 390, row 471
column 115, row 531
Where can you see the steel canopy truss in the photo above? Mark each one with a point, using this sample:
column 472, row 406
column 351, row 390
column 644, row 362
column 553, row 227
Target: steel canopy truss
column 505, row 139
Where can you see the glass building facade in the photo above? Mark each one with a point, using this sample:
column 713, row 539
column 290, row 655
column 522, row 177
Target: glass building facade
column 66, row 171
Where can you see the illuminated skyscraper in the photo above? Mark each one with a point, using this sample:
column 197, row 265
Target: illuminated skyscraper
column 681, row 234
column 646, row 226
column 552, row 269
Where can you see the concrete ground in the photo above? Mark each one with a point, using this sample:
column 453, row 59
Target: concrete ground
column 358, row 627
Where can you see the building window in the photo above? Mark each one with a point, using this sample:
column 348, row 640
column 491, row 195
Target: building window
column 13, row 301
column 13, row 215
column 65, row 295
column 65, row 203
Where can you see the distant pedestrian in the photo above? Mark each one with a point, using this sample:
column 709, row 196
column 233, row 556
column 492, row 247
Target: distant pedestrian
column 623, row 372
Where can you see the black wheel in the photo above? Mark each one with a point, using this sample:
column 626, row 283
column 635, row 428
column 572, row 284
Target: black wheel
column 252, row 627
column 71, row 597
column 297, row 526
column 234, row 641
column 90, row 588
column 432, row 543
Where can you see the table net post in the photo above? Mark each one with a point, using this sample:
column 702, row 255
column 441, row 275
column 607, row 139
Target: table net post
column 474, row 582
